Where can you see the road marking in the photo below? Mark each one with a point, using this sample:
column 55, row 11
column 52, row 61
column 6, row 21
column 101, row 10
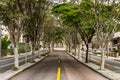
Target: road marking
column 58, row 74
column 59, row 70
column 59, row 61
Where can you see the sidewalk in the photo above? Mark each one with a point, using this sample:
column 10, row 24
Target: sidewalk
column 10, row 73
column 107, row 73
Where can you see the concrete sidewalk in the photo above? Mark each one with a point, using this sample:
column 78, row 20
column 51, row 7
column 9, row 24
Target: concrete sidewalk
column 107, row 73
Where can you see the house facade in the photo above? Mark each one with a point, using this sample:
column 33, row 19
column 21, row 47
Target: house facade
column 116, row 41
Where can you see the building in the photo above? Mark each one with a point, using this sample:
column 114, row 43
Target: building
column 116, row 40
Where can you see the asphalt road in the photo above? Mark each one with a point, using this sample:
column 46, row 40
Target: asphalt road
column 47, row 69
column 6, row 64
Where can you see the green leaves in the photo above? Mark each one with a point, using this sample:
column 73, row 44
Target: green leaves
column 86, row 27
column 68, row 13
column 79, row 16
column 59, row 34
column 5, row 42
column 62, row 8
column 16, row 15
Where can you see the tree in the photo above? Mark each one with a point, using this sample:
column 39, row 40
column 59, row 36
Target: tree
column 73, row 16
column 36, row 11
column 100, row 17
column 68, row 40
column 59, row 34
column 12, row 16
column 106, row 15
column 49, row 32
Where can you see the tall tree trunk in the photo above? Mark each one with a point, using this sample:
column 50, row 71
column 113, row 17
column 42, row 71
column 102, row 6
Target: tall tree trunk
column 33, row 54
column 39, row 49
column 69, row 48
column 75, row 51
column 86, row 59
column 66, row 48
column 0, row 39
column 52, row 46
column 49, row 48
column 102, row 66
column 16, row 56
column 38, row 46
column 107, row 52
column 107, row 48
column 0, row 44
column 79, row 53
column 33, row 51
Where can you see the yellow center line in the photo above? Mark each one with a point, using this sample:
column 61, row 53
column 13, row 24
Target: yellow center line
column 59, row 70
column 59, row 61
column 58, row 74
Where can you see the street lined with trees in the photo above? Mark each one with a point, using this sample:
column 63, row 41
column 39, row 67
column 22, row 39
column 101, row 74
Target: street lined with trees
column 90, row 18
column 74, row 22
column 23, row 17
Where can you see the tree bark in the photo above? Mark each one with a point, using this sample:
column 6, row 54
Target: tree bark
column 102, row 66
column 39, row 49
column 75, row 51
column 33, row 54
column 16, row 56
column 66, row 48
column 49, row 48
column 69, row 48
column 79, row 52
column 0, row 44
column 52, row 46
column 86, row 59
column 33, row 51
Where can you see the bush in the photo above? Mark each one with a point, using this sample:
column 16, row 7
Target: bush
column 5, row 42
column 10, row 51
column 97, row 53
column 21, row 51
column 115, row 51
column 5, row 52
column 118, row 50
column 24, row 47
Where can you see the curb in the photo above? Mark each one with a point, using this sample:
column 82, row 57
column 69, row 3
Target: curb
column 27, row 67
column 90, row 67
